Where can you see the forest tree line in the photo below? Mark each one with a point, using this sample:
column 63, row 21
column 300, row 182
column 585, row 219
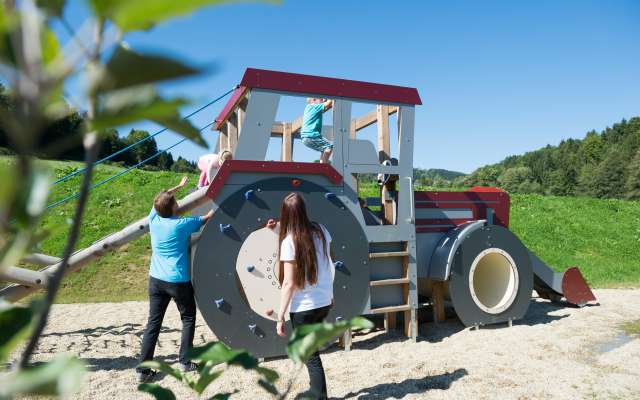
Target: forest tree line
column 603, row 164
column 62, row 140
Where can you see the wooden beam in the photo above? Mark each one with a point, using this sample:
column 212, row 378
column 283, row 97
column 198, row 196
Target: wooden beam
column 384, row 145
column 437, row 300
column 223, row 139
column 287, row 142
column 232, row 132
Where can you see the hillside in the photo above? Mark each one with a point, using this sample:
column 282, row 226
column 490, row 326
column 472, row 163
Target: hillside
column 604, row 164
column 601, row 236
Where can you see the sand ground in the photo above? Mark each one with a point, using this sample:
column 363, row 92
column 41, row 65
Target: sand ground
column 554, row 353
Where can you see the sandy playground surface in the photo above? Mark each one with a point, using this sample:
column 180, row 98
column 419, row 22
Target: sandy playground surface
column 555, row 353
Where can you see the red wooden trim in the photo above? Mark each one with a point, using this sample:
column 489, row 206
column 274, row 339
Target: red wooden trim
column 278, row 167
column 476, row 201
column 331, row 87
column 485, row 189
column 235, row 98
column 434, row 229
column 443, row 221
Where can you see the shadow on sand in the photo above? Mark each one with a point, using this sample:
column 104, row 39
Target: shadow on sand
column 408, row 386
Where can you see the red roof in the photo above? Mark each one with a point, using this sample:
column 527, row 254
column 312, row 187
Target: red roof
column 317, row 85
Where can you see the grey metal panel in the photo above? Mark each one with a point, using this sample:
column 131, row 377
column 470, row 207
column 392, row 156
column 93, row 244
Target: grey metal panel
column 426, row 244
column 444, row 253
column 362, row 152
column 374, row 169
column 384, row 296
column 546, row 278
column 385, row 268
column 440, row 213
column 341, row 124
column 253, row 141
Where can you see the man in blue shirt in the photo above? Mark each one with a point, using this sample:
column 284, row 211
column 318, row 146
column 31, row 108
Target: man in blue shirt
column 169, row 275
column 311, row 130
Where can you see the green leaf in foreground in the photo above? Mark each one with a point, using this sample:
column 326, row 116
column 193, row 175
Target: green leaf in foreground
column 157, row 391
column 128, row 68
column 143, row 14
column 307, row 339
column 15, row 321
column 60, row 377
column 130, row 105
column 163, row 367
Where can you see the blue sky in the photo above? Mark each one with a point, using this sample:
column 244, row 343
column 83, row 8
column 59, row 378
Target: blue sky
column 496, row 77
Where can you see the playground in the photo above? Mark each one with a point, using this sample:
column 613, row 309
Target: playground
column 555, row 353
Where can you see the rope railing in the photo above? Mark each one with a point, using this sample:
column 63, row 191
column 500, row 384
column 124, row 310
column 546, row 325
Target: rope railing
column 75, row 195
column 109, row 157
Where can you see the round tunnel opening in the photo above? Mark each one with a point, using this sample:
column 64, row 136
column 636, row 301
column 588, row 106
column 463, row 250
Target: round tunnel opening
column 493, row 280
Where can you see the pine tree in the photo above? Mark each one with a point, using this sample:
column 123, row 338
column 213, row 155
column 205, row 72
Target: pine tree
column 632, row 186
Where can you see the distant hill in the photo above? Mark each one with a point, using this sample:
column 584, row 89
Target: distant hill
column 437, row 177
column 604, row 164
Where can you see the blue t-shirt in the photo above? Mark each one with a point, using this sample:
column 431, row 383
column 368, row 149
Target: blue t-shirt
column 170, row 246
column 312, row 121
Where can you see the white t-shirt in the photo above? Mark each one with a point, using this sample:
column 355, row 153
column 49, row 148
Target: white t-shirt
column 312, row 296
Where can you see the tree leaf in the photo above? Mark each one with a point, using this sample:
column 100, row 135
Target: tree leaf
column 130, row 105
column 157, row 391
column 223, row 396
column 51, row 7
column 60, row 377
column 143, row 14
column 164, row 368
column 269, row 374
column 206, row 375
column 214, row 353
column 128, row 68
column 268, row 387
column 15, row 323
column 50, row 46
column 307, row 339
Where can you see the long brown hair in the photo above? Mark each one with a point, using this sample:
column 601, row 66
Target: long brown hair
column 294, row 221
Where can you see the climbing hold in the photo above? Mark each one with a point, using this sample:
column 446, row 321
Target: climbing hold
column 219, row 303
column 248, row 194
column 224, row 227
column 250, row 268
column 339, row 318
column 271, row 223
column 295, row 182
column 253, row 327
column 338, row 264
column 329, row 195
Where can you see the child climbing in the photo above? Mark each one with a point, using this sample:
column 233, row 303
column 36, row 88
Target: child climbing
column 208, row 165
column 311, row 131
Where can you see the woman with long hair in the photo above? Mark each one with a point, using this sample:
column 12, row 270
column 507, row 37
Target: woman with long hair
column 306, row 276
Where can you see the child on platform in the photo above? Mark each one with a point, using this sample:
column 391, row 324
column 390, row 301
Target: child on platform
column 209, row 164
column 311, row 131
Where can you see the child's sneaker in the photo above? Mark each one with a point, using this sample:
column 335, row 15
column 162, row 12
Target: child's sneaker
column 146, row 375
column 188, row 367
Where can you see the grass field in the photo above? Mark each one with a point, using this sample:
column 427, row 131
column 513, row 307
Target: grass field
column 600, row 236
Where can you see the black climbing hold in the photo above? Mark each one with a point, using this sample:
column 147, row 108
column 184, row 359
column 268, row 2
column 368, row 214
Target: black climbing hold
column 248, row 194
column 219, row 303
column 252, row 328
column 250, row 268
column 338, row 264
column 224, row 227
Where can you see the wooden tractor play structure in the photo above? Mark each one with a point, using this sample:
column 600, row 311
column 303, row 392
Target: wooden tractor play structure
column 393, row 254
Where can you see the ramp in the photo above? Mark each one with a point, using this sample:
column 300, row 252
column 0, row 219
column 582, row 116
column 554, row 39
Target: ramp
column 554, row 286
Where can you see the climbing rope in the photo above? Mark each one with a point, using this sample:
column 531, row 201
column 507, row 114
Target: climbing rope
column 82, row 170
column 75, row 195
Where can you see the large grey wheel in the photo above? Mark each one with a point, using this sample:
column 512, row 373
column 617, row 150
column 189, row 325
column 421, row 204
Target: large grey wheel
column 229, row 303
column 491, row 277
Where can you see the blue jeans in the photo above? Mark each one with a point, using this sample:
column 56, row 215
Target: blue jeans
column 317, row 143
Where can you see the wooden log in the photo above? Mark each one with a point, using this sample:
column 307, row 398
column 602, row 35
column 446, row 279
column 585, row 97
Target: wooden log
column 287, row 142
column 103, row 246
column 40, row 259
column 24, row 276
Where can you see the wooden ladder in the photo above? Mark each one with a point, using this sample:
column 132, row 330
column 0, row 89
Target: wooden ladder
column 390, row 312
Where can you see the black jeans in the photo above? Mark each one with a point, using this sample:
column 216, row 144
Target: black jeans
column 314, row 365
column 160, row 294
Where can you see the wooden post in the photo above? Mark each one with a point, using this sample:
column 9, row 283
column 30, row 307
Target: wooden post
column 232, row 132
column 287, row 142
column 389, row 321
column 405, row 295
column 437, row 300
column 223, row 139
column 384, row 146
